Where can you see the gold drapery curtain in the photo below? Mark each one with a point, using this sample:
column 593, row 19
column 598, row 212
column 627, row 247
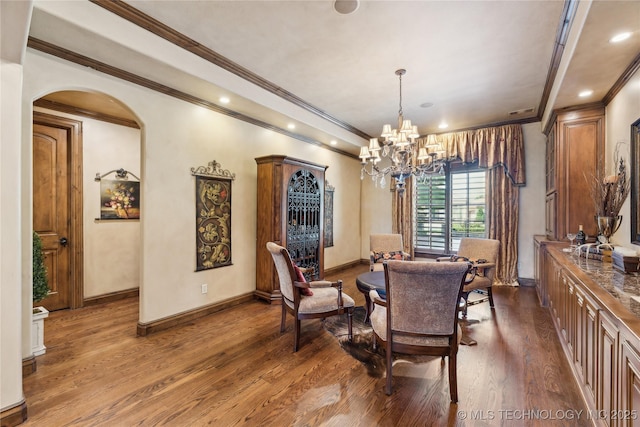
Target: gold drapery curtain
column 503, row 208
column 499, row 149
column 402, row 215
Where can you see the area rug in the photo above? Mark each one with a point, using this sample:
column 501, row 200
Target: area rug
column 361, row 347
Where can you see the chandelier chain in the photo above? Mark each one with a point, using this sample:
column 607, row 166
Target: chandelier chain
column 400, row 103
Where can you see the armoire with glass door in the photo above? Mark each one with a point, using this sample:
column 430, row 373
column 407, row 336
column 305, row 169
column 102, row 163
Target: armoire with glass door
column 290, row 203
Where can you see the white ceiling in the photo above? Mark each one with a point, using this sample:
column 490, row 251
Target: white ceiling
column 474, row 61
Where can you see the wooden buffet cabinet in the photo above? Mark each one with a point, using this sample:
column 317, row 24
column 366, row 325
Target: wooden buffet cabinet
column 596, row 311
column 574, row 150
column 290, row 203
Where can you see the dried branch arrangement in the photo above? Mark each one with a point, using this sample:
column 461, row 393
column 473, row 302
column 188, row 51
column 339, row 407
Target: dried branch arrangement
column 610, row 193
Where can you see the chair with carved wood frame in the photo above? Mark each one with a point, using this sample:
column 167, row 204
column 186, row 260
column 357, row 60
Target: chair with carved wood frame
column 483, row 256
column 420, row 313
column 327, row 299
column 384, row 247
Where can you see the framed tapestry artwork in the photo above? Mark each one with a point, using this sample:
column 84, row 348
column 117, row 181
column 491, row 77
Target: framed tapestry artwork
column 213, row 216
column 328, row 215
column 119, row 197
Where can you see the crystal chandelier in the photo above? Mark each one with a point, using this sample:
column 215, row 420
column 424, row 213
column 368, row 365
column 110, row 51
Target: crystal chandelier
column 399, row 145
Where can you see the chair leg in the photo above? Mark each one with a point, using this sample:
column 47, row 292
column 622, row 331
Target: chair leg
column 283, row 320
column 389, row 367
column 465, row 297
column 453, row 378
column 490, row 294
column 350, row 323
column 296, row 335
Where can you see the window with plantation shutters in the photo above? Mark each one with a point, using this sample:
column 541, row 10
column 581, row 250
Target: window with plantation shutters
column 448, row 207
column 431, row 213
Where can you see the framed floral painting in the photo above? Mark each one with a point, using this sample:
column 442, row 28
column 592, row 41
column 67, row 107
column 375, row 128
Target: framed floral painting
column 119, row 199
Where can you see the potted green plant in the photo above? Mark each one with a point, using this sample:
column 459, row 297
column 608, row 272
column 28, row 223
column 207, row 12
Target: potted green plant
column 40, row 291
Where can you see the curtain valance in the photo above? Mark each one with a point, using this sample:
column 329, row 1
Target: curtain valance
column 491, row 147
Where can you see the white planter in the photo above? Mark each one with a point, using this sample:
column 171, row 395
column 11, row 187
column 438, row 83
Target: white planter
column 37, row 330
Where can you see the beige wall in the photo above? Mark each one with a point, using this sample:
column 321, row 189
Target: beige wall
column 111, row 248
column 532, row 196
column 13, row 318
column 15, row 17
column 376, row 210
column 620, row 114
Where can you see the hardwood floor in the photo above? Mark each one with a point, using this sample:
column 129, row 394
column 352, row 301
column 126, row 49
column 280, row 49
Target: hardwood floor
column 234, row 367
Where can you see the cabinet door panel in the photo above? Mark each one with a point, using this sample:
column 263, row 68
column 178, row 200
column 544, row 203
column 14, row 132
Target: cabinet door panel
column 304, row 198
column 581, row 161
column 580, row 152
column 607, row 354
column 629, row 402
column 551, row 215
column 586, row 333
column 590, row 346
column 574, row 152
column 579, row 333
column 570, row 314
column 551, row 160
column 550, row 269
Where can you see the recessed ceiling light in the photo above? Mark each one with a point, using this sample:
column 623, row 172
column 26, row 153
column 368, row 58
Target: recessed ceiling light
column 224, row 100
column 333, row 142
column 345, row 7
column 585, row 93
column 426, row 104
column 443, row 125
column 619, row 37
column 291, row 126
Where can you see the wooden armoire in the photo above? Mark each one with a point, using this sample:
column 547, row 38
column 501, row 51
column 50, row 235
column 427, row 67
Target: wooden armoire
column 290, row 203
column 575, row 153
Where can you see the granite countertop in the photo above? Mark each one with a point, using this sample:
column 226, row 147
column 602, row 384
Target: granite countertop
column 624, row 287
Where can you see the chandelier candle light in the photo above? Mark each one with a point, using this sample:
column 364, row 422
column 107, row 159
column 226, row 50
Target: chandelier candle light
column 399, row 145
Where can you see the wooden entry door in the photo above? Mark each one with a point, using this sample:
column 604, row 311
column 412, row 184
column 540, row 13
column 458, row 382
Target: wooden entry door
column 57, row 216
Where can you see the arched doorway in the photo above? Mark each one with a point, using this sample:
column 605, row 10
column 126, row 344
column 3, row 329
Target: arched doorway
column 78, row 135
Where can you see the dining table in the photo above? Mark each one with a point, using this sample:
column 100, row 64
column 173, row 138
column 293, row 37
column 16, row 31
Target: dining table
column 366, row 282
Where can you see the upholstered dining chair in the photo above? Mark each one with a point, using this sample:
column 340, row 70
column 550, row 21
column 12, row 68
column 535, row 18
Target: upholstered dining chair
column 483, row 254
column 384, row 247
column 420, row 313
column 324, row 299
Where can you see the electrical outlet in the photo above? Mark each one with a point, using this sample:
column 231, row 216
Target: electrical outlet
column 204, row 288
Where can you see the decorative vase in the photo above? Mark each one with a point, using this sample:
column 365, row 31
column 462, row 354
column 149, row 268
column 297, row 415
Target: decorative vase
column 122, row 213
column 608, row 225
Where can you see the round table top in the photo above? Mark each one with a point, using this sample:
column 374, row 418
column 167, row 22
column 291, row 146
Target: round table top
column 370, row 280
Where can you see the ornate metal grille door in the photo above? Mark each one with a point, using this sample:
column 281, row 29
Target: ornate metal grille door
column 303, row 220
